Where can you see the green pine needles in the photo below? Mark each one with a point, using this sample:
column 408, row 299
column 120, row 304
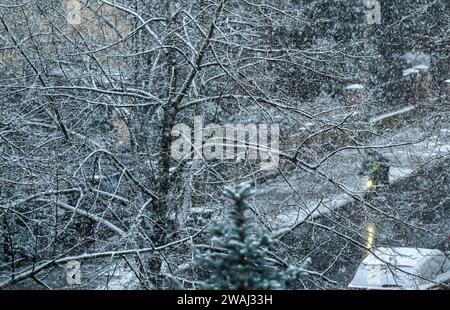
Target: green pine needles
column 240, row 260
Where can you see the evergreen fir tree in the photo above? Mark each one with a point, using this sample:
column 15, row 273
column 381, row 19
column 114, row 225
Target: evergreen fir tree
column 243, row 263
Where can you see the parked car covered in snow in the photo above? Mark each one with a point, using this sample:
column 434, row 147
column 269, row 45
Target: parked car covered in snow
column 441, row 282
column 400, row 268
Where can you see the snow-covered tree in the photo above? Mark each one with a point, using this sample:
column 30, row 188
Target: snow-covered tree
column 242, row 261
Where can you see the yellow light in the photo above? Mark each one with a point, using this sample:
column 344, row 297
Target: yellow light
column 371, row 185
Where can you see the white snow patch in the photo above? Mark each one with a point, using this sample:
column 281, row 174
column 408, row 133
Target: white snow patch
column 435, row 150
column 410, row 71
column 293, row 217
column 444, row 149
column 397, row 173
column 120, row 278
column 198, row 210
column 401, row 257
column 421, row 67
column 391, row 114
column 442, row 278
column 354, row 87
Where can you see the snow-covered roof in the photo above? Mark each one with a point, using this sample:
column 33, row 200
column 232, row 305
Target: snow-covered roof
column 405, row 257
column 447, row 81
column 421, row 67
column 410, row 71
column 355, row 87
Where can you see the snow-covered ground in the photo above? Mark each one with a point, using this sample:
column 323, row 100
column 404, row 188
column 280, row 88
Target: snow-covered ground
column 119, row 278
column 285, row 204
